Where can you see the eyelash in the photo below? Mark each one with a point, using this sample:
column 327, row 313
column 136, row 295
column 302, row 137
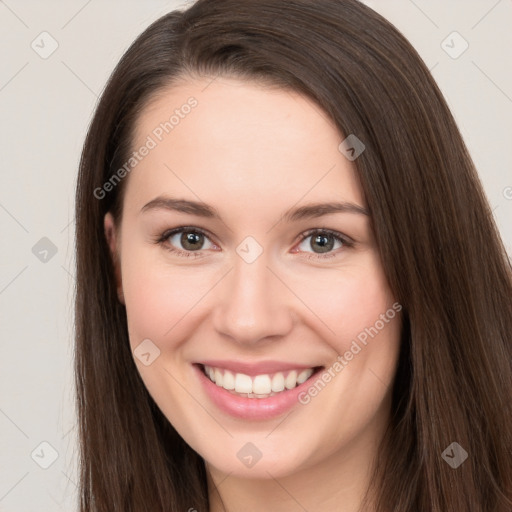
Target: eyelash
column 164, row 238
column 344, row 240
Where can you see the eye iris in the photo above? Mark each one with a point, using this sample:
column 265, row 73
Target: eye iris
column 325, row 242
column 191, row 241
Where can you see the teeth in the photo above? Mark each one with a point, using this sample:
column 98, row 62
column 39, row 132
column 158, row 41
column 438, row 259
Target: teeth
column 228, row 381
column 278, row 382
column 291, row 380
column 304, row 375
column 260, row 386
column 243, row 383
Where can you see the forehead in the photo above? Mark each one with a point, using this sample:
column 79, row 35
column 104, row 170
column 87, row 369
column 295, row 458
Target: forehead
column 239, row 139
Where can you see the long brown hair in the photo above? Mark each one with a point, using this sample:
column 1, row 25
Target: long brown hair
column 438, row 244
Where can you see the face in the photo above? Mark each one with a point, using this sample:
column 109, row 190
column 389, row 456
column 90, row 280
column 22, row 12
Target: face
column 231, row 271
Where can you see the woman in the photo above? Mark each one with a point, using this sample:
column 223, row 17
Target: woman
column 291, row 294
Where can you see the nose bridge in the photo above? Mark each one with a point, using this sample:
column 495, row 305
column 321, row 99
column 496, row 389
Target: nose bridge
column 253, row 305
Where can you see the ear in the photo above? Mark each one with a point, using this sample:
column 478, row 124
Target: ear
column 112, row 237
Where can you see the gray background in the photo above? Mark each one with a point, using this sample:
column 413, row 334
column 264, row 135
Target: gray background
column 45, row 107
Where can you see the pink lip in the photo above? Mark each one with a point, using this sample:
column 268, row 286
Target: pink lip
column 251, row 408
column 253, row 369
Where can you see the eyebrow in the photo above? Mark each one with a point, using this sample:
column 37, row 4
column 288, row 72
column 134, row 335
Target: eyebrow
column 200, row 209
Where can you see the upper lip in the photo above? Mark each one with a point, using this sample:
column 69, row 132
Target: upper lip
column 255, row 368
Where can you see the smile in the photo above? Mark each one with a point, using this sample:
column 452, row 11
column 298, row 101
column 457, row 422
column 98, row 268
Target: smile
column 259, row 386
column 254, row 391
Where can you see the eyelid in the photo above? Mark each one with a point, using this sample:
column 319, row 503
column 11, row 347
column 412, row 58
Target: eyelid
column 346, row 242
column 336, row 234
column 164, row 237
column 341, row 237
column 169, row 232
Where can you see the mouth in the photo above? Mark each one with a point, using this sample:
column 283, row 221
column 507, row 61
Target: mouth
column 262, row 385
column 252, row 394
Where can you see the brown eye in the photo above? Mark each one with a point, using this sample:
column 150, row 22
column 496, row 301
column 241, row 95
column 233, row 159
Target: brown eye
column 323, row 242
column 186, row 241
column 192, row 241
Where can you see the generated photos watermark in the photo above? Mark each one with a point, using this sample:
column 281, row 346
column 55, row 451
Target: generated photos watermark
column 152, row 140
column 342, row 361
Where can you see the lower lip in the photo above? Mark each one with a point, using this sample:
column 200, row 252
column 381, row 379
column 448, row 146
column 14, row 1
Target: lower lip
column 252, row 408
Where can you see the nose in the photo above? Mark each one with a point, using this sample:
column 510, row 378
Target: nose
column 253, row 304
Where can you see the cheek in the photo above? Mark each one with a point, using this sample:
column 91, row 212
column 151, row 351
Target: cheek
column 365, row 311
column 346, row 302
column 161, row 304
column 158, row 297
column 353, row 392
column 360, row 320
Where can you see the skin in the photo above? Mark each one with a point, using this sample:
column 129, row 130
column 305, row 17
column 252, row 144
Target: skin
column 253, row 151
